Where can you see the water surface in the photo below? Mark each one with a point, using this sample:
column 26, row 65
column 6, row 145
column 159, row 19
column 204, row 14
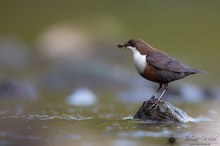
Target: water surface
column 108, row 122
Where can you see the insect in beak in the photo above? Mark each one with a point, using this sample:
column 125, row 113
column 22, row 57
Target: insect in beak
column 121, row 46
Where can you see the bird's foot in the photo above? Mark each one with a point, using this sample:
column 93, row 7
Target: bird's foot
column 152, row 98
column 154, row 105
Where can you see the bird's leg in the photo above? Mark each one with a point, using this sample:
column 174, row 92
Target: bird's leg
column 154, row 106
column 155, row 93
column 165, row 89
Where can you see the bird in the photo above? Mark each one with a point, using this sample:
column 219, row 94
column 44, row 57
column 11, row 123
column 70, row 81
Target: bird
column 157, row 66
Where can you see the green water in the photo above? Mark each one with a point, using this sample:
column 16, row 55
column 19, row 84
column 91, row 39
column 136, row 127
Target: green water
column 188, row 30
column 107, row 123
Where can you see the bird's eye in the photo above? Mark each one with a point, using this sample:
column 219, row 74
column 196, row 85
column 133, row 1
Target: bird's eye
column 130, row 43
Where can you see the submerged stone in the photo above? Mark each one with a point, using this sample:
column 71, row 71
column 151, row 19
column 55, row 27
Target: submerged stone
column 163, row 113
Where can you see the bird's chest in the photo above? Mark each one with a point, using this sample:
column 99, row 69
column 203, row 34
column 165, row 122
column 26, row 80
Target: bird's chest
column 140, row 62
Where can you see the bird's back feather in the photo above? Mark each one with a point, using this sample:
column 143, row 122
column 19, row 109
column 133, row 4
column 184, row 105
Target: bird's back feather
column 163, row 61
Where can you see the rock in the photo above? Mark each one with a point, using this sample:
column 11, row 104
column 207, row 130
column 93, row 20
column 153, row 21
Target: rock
column 212, row 92
column 14, row 89
column 65, row 41
column 163, row 113
column 192, row 93
column 82, row 97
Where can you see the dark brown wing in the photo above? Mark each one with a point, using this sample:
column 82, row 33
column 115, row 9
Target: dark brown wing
column 163, row 61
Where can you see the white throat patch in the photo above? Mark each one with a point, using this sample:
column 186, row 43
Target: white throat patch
column 139, row 60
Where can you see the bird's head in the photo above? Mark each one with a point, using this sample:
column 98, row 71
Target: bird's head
column 135, row 45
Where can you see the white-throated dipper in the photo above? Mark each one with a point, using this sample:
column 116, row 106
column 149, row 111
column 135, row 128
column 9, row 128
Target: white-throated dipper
column 156, row 66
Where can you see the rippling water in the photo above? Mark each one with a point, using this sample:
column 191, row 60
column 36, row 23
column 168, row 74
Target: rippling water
column 106, row 123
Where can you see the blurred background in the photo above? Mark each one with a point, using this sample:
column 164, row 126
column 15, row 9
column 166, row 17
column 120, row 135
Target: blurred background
column 58, row 60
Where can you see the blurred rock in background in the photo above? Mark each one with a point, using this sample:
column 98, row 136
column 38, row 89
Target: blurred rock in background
column 75, row 57
column 65, row 42
column 81, row 97
column 69, row 56
column 192, row 93
column 14, row 89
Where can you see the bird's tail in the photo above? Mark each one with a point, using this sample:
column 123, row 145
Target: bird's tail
column 197, row 71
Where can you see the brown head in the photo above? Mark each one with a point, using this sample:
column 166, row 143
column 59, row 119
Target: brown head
column 139, row 45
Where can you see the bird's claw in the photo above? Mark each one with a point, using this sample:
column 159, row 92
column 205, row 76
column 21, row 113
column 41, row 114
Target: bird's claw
column 154, row 106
